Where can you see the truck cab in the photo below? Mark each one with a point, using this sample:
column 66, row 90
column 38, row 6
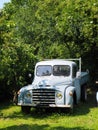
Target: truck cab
column 57, row 83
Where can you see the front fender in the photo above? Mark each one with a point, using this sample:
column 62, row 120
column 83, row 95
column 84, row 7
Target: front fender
column 69, row 95
column 25, row 95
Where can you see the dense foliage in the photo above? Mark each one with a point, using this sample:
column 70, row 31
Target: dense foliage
column 38, row 29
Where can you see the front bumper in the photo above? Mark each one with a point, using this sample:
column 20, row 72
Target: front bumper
column 22, row 104
column 51, row 105
column 60, row 106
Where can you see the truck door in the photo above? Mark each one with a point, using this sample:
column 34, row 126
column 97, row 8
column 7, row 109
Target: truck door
column 76, row 81
column 78, row 88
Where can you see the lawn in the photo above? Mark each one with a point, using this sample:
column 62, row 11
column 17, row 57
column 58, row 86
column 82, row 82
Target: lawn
column 84, row 117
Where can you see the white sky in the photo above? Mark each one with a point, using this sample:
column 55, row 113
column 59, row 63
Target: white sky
column 2, row 3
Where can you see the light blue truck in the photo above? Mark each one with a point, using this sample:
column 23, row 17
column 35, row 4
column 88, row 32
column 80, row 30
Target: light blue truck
column 57, row 83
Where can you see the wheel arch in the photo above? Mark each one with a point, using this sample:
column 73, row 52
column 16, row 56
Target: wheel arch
column 68, row 96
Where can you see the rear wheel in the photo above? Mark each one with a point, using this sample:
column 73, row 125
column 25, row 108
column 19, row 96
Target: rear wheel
column 84, row 93
column 25, row 109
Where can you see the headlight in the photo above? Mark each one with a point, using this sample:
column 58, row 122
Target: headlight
column 28, row 95
column 59, row 95
column 71, row 93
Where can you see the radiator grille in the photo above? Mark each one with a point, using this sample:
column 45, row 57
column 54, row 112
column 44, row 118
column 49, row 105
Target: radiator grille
column 43, row 97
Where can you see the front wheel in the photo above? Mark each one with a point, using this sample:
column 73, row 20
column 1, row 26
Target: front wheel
column 25, row 109
column 71, row 109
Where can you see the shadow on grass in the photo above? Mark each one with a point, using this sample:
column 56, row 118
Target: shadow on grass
column 74, row 128
column 41, row 127
column 44, row 113
column 26, row 127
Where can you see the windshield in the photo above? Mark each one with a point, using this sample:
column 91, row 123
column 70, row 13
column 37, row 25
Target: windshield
column 44, row 70
column 61, row 70
column 58, row 70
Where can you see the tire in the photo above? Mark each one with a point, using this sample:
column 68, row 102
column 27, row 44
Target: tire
column 83, row 93
column 25, row 109
column 74, row 102
column 71, row 109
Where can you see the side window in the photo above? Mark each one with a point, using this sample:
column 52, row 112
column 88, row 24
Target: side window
column 74, row 71
column 61, row 70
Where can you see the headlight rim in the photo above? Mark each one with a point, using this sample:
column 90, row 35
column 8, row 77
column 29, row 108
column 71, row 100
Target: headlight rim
column 28, row 95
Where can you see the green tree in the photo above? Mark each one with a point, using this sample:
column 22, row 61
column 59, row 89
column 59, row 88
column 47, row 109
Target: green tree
column 16, row 60
column 16, row 57
column 71, row 23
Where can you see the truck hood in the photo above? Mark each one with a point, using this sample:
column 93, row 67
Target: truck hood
column 52, row 83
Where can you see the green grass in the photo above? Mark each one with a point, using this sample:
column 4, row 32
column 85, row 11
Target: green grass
column 84, row 117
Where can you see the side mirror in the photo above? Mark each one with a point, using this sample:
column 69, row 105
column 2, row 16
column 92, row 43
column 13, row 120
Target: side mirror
column 78, row 74
column 29, row 75
column 29, row 78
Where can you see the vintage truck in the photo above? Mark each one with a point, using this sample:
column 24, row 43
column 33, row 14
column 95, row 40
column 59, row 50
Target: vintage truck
column 57, row 83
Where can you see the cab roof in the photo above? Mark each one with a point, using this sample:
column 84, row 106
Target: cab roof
column 55, row 62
